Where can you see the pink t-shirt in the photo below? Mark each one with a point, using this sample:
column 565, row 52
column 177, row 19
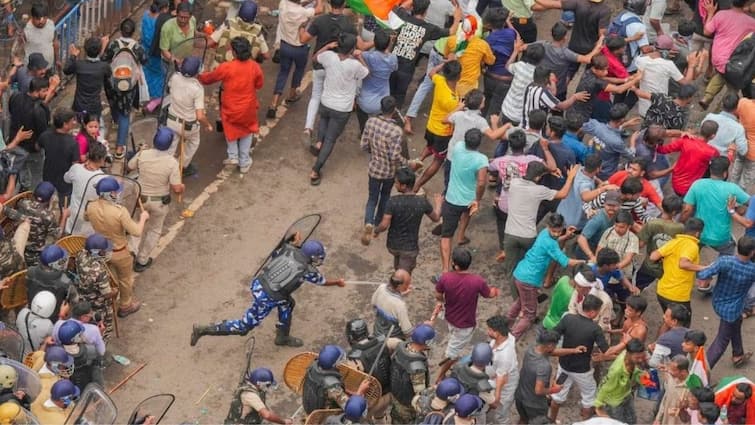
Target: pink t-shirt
column 506, row 166
column 81, row 139
column 729, row 28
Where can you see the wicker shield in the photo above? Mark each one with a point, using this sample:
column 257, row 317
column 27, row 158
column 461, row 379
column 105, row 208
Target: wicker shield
column 296, row 370
column 318, row 416
column 7, row 224
column 15, row 295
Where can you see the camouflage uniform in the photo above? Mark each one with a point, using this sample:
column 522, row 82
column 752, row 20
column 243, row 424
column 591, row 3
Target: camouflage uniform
column 10, row 260
column 94, row 286
column 236, row 27
column 44, row 226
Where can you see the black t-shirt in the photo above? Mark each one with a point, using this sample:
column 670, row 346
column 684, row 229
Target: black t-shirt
column 30, row 113
column 61, row 151
column 326, row 28
column 593, row 85
column 589, row 19
column 412, row 35
column 406, row 213
column 564, row 157
column 90, row 81
column 579, row 330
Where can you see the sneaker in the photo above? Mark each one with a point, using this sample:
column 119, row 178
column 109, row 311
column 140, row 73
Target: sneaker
column 129, row 309
column 138, row 267
column 271, row 113
column 229, row 161
column 245, row 169
column 367, row 234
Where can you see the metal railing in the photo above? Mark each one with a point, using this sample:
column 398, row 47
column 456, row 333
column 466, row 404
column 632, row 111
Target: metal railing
column 90, row 18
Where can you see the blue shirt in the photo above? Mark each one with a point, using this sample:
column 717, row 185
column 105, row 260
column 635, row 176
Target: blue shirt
column 376, row 86
column 502, row 44
column 595, row 227
column 709, row 197
column 735, row 277
column 616, row 275
column 729, row 130
column 462, row 185
column 571, row 206
column 609, row 144
column 580, row 149
column 750, row 215
column 656, row 161
column 531, row 270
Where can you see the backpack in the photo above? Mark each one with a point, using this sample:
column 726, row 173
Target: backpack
column 124, row 67
column 739, row 69
column 618, row 27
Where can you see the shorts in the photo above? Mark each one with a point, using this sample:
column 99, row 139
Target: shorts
column 529, row 412
column 405, row 260
column 438, row 145
column 451, row 215
column 585, row 382
column 665, row 302
column 458, row 339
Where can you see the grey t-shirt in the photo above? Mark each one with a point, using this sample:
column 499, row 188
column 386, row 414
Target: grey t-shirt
column 524, row 199
column 464, row 121
column 558, row 59
column 39, row 40
column 535, row 367
column 39, row 328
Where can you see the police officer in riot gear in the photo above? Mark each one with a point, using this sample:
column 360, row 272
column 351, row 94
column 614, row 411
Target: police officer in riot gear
column 354, row 412
column 410, row 373
column 466, row 410
column 87, row 362
column 367, row 351
column 50, row 275
column 434, row 404
column 8, row 391
column 288, row 269
column 471, row 374
column 249, row 405
column 323, row 385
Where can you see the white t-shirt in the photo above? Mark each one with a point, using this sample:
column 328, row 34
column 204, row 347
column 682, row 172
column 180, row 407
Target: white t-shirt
column 504, row 362
column 464, row 121
column 291, row 16
column 342, row 77
column 39, row 40
column 657, row 72
column 656, row 9
column 39, row 329
column 82, row 192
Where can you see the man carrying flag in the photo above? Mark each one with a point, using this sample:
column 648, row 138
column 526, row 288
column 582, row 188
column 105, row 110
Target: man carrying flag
column 699, row 371
column 735, row 394
column 735, row 276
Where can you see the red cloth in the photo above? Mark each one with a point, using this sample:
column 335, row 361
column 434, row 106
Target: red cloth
column 616, row 69
column 239, row 105
column 648, row 191
column 694, row 157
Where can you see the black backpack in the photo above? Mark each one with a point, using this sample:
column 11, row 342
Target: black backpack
column 741, row 65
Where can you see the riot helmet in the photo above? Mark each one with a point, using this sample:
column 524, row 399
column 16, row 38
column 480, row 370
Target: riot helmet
column 59, row 361
column 356, row 330
column 468, row 405
column 329, row 356
column 163, row 137
column 64, row 391
column 8, row 376
column 263, row 378
column 54, row 257
column 482, row 354
column 99, row 245
column 69, row 332
column 44, row 191
column 248, row 11
column 10, row 412
column 314, row 250
column 355, row 408
column 423, row 334
column 449, row 390
column 108, row 185
column 43, row 304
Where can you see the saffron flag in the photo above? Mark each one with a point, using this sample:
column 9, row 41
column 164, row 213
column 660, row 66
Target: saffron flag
column 382, row 10
column 699, row 371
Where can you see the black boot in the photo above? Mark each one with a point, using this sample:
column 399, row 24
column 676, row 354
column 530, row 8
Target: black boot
column 282, row 338
column 218, row 329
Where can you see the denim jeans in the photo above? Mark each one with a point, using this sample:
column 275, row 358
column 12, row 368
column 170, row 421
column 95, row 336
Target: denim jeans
column 426, row 86
column 123, row 121
column 379, row 192
column 332, row 123
column 400, row 81
column 291, row 55
column 318, row 81
column 727, row 248
column 727, row 332
column 239, row 150
column 31, row 173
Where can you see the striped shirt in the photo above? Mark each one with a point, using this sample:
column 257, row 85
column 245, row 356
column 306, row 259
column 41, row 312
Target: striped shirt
column 537, row 97
column 512, row 103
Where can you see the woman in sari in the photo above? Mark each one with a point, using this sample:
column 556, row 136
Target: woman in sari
column 153, row 69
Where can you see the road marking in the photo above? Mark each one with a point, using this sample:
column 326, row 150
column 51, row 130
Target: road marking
column 221, row 177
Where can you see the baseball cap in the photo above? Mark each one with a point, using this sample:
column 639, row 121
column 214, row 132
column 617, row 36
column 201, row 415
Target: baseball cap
column 613, row 197
column 37, row 61
column 665, row 42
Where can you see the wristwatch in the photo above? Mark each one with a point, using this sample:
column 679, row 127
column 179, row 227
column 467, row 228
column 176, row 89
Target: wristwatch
column 732, row 211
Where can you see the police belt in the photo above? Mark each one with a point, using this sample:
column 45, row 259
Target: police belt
column 180, row 120
column 147, row 198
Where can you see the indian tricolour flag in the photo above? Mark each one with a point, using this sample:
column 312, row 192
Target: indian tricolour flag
column 382, row 10
column 699, row 371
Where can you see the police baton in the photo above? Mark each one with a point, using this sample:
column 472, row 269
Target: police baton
column 380, row 353
column 297, row 412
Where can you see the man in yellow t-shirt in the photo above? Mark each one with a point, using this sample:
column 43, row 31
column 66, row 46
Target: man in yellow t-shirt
column 681, row 258
column 438, row 133
column 475, row 55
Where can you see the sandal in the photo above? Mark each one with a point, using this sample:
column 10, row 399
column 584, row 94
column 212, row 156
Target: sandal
column 314, row 181
column 742, row 360
column 464, row 241
column 314, row 151
column 293, row 99
column 747, row 314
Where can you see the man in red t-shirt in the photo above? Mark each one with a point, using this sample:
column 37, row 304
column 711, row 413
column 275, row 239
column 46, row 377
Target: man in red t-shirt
column 636, row 168
column 458, row 291
column 694, row 156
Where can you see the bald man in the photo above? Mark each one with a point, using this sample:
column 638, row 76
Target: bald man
column 390, row 307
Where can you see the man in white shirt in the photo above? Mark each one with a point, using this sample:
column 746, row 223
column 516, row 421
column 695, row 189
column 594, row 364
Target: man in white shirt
column 33, row 322
column 503, row 372
column 39, row 35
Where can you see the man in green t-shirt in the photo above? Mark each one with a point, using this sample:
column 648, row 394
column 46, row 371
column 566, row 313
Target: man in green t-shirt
column 654, row 234
column 560, row 297
column 615, row 398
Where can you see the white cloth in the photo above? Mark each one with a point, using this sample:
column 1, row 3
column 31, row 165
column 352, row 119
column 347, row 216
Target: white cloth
column 39, row 328
column 83, row 192
column 657, row 72
column 291, row 16
column 458, row 339
column 342, row 78
column 586, row 383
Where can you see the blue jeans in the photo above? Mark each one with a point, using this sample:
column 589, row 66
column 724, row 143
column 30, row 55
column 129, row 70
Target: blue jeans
column 379, row 192
column 239, row 150
column 331, row 126
column 426, row 86
column 123, row 121
column 291, row 55
column 261, row 306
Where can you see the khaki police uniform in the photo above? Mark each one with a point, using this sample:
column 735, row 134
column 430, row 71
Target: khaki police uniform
column 186, row 97
column 157, row 171
column 114, row 222
column 236, row 27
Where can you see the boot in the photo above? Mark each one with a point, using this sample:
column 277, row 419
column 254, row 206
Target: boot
column 282, row 338
column 218, row 329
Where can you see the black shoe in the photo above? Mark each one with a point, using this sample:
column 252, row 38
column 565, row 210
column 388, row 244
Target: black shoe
column 437, row 230
column 142, row 267
column 190, row 170
column 271, row 113
column 283, row 338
